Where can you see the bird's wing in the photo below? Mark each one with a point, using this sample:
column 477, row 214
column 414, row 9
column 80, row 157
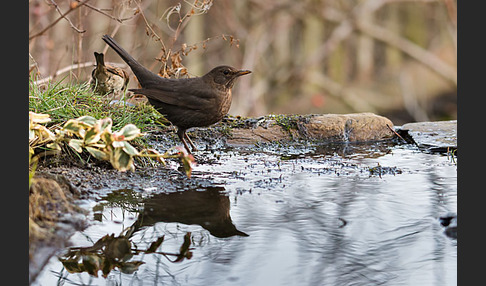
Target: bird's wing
column 181, row 93
column 119, row 72
column 116, row 71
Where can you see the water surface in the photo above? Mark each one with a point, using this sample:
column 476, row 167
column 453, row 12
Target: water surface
column 333, row 215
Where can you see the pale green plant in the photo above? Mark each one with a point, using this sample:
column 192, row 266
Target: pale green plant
column 96, row 137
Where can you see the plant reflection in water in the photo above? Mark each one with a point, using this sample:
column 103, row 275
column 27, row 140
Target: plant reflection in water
column 208, row 207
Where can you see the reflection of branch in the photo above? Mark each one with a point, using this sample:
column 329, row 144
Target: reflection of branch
column 72, row 8
column 109, row 252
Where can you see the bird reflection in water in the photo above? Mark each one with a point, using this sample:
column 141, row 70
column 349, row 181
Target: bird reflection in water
column 207, row 207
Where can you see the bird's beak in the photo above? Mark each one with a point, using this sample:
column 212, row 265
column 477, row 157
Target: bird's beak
column 242, row 72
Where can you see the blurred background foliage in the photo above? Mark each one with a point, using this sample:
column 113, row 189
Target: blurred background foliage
column 396, row 58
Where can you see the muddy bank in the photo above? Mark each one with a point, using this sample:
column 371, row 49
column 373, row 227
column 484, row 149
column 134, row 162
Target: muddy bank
column 53, row 217
column 63, row 187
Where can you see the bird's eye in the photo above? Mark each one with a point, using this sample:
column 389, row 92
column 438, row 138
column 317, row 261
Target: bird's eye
column 226, row 72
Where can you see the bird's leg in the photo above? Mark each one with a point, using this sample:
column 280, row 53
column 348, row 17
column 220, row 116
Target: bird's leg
column 181, row 133
column 190, row 142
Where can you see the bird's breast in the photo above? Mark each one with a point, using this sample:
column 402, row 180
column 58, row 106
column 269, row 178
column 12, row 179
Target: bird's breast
column 225, row 103
column 218, row 108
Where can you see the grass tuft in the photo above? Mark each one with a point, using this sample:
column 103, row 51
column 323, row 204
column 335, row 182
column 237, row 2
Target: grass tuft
column 64, row 101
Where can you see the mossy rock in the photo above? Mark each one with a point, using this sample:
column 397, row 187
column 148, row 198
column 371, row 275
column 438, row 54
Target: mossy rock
column 356, row 127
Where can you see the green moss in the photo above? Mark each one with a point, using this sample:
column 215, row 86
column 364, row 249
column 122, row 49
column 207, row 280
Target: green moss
column 287, row 122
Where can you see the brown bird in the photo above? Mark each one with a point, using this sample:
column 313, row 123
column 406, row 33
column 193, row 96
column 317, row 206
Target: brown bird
column 108, row 79
column 186, row 102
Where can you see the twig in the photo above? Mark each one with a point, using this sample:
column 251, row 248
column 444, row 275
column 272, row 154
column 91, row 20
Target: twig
column 391, row 129
column 70, row 68
column 113, row 33
column 67, row 19
column 106, row 14
column 64, row 70
column 34, row 65
column 58, row 19
column 153, row 34
column 80, row 43
column 149, row 27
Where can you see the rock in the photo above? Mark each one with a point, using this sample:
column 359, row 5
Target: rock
column 249, row 136
column 357, row 127
column 436, row 136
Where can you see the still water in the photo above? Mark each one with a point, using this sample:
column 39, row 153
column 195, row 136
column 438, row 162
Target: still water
column 345, row 215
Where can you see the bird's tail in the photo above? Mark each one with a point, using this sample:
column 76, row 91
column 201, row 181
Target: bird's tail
column 143, row 74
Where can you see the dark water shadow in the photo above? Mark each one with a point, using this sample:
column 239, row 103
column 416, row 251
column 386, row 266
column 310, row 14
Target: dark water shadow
column 208, row 207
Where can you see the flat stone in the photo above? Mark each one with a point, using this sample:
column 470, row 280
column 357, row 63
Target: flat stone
column 435, row 136
column 250, row 136
column 356, row 127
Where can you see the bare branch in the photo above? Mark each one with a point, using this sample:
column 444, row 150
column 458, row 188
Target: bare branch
column 67, row 19
column 106, row 14
column 72, row 8
column 423, row 56
column 147, row 24
column 73, row 67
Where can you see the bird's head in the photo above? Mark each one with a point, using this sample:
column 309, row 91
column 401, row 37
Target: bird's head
column 225, row 75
